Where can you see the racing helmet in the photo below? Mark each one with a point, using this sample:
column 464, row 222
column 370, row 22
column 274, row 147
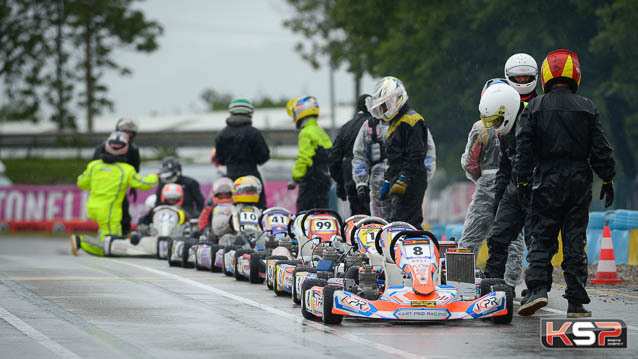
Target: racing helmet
column 560, row 65
column 172, row 194
column 117, row 143
column 493, row 81
column 246, row 189
column 171, row 170
column 521, row 65
column 387, row 99
column 222, row 191
column 499, row 106
column 302, row 107
column 127, row 125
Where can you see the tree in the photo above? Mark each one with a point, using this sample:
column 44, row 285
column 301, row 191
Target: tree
column 99, row 27
column 214, row 100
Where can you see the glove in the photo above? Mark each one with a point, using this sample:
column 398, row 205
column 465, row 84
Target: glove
column 524, row 192
column 363, row 192
column 607, row 191
column 385, row 190
column 292, row 185
column 400, row 186
column 133, row 193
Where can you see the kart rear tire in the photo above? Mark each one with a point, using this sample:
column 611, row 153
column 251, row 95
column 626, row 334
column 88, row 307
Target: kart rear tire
column 307, row 284
column 157, row 246
column 239, row 253
column 169, row 250
column 294, row 284
column 324, row 275
column 279, row 258
column 509, row 300
column 226, row 250
column 213, row 252
column 328, row 303
column 487, row 284
column 256, row 267
column 188, row 243
column 353, row 273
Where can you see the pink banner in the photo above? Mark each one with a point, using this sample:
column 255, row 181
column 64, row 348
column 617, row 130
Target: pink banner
column 67, row 202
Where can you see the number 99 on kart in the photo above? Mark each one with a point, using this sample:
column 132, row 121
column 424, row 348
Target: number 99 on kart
column 323, row 226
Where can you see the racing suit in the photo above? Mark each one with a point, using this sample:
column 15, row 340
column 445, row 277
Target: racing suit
column 341, row 163
column 406, row 149
column 562, row 133
column 368, row 163
column 506, row 243
column 481, row 163
column 108, row 179
column 193, row 202
column 132, row 157
column 311, row 167
column 241, row 147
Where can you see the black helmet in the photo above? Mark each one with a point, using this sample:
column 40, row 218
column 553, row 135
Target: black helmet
column 171, row 169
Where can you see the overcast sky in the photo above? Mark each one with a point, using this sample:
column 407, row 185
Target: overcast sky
column 237, row 46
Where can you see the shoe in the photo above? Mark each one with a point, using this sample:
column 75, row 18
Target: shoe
column 536, row 301
column 525, row 294
column 75, row 244
column 135, row 238
column 577, row 311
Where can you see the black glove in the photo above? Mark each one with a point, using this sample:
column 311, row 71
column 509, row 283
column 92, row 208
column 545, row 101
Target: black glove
column 133, row 193
column 524, row 192
column 363, row 192
column 292, row 185
column 607, row 191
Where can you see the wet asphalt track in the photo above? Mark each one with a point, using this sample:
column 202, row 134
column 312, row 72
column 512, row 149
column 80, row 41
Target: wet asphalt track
column 53, row 304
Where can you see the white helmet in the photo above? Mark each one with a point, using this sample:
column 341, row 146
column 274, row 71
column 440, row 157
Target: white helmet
column 388, row 98
column 521, row 65
column 499, row 107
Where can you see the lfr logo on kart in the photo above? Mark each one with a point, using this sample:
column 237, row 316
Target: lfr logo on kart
column 583, row 333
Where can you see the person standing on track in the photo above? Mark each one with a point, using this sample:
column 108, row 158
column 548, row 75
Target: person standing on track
column 561, row 138
column 311, row 167
column 240, row 146
column 108, row 179
column 129, row 127
column 341, row 157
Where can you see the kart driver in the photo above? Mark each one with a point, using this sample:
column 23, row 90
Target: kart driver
column 171, row 172
column 108, row 179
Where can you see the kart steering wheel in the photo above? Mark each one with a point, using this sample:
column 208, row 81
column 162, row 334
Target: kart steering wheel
column 360, row 224
column 411, row 234
column 377, row 238
column 326, row 211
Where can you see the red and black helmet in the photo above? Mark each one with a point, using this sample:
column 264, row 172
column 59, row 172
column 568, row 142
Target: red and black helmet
column 560, row 65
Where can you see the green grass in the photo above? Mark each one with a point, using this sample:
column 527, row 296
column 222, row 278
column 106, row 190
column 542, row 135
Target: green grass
column 44, row 171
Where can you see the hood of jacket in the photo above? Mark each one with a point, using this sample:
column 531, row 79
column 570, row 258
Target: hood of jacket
column 239, row 120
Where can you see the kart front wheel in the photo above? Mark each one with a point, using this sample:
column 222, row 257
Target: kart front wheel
column 328, row 303
column 509, row 301
column 255, row 267
column 213, row 256
column 307, row 284
column 239, row 253
column 169, row 250
column 487, row 284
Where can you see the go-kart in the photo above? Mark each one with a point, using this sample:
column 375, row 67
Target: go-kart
column 294, row 230
column 208, row 246
column 245, row 222
column 273, row 243
column 179, row 247
column 412, row 289
column 320, row 235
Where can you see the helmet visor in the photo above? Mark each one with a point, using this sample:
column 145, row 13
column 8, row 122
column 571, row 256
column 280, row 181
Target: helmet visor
column 493, row 121
column 383, row 107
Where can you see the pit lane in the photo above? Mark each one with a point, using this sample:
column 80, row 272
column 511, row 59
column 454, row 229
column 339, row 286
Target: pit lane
column 53, row 304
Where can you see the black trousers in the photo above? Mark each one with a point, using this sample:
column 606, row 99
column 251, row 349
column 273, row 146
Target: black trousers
column 126, row 217
column 409, row 206
column 313, row 193
column 560, row 204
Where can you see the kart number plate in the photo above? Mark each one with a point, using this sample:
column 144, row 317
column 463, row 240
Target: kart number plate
column 246, row 217
column 417, row 250
column 278, row 220
column 323, row 226
column 423, row 303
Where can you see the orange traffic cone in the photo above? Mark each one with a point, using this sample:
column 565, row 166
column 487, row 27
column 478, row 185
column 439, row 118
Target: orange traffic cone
column 606, row 272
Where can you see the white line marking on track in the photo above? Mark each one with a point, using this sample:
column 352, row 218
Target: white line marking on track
column 297, row 318
column 32, row 333
column 557, row 311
